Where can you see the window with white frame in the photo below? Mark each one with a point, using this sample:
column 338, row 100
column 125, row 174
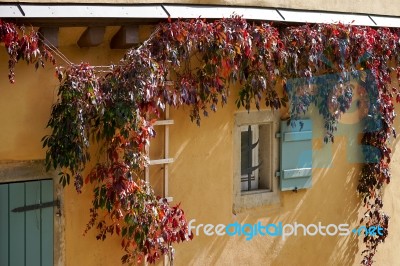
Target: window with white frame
column 255, row 159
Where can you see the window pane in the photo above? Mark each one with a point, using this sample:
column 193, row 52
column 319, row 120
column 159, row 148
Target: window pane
column 265, row 156
column 246, row 153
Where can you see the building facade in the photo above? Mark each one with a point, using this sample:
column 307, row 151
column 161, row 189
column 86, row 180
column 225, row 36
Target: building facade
column 208, row 172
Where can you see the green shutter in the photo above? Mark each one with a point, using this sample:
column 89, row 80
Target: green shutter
column 26, row 237
column 47, row 215
column 296, row 155
column 32, row 224
column 4, row 211
column 17, row 225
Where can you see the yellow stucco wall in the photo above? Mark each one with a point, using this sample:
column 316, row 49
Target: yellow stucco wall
column 201, row 178
column 25, row 110
column 384, row 7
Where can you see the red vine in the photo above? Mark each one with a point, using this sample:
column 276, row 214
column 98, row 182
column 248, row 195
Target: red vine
column 23, row 46
column 315, row 64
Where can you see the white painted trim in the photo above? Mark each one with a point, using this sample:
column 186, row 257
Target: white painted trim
column 196, row 11
column 164, row 122
column 159, row 11
column 81, row 11
column 326, row 17
column 387, row 21
column 161, row 161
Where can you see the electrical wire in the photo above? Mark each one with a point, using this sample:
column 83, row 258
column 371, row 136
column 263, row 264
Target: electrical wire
column 54, row 49
column 64, row 58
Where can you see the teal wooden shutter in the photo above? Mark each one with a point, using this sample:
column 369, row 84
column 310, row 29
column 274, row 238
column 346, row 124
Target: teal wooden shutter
column 26, row 238
column 4, row 225
column 296, row 155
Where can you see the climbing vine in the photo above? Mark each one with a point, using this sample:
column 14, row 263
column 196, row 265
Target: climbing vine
column 23, row 46
column 194, row 63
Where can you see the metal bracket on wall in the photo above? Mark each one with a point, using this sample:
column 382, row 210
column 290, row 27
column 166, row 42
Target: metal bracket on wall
column 38, row 206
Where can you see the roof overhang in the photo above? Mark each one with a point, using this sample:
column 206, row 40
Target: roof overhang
column 155, row 12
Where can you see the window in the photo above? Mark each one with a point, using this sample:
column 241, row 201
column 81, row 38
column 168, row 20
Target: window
column 255, row 159
column 249, row 160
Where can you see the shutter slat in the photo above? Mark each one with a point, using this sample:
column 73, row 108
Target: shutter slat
column 298, row 136
column 4, row 211
column 47, row 223
column 32, row 226
column 17, row 224
column 296, row 173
